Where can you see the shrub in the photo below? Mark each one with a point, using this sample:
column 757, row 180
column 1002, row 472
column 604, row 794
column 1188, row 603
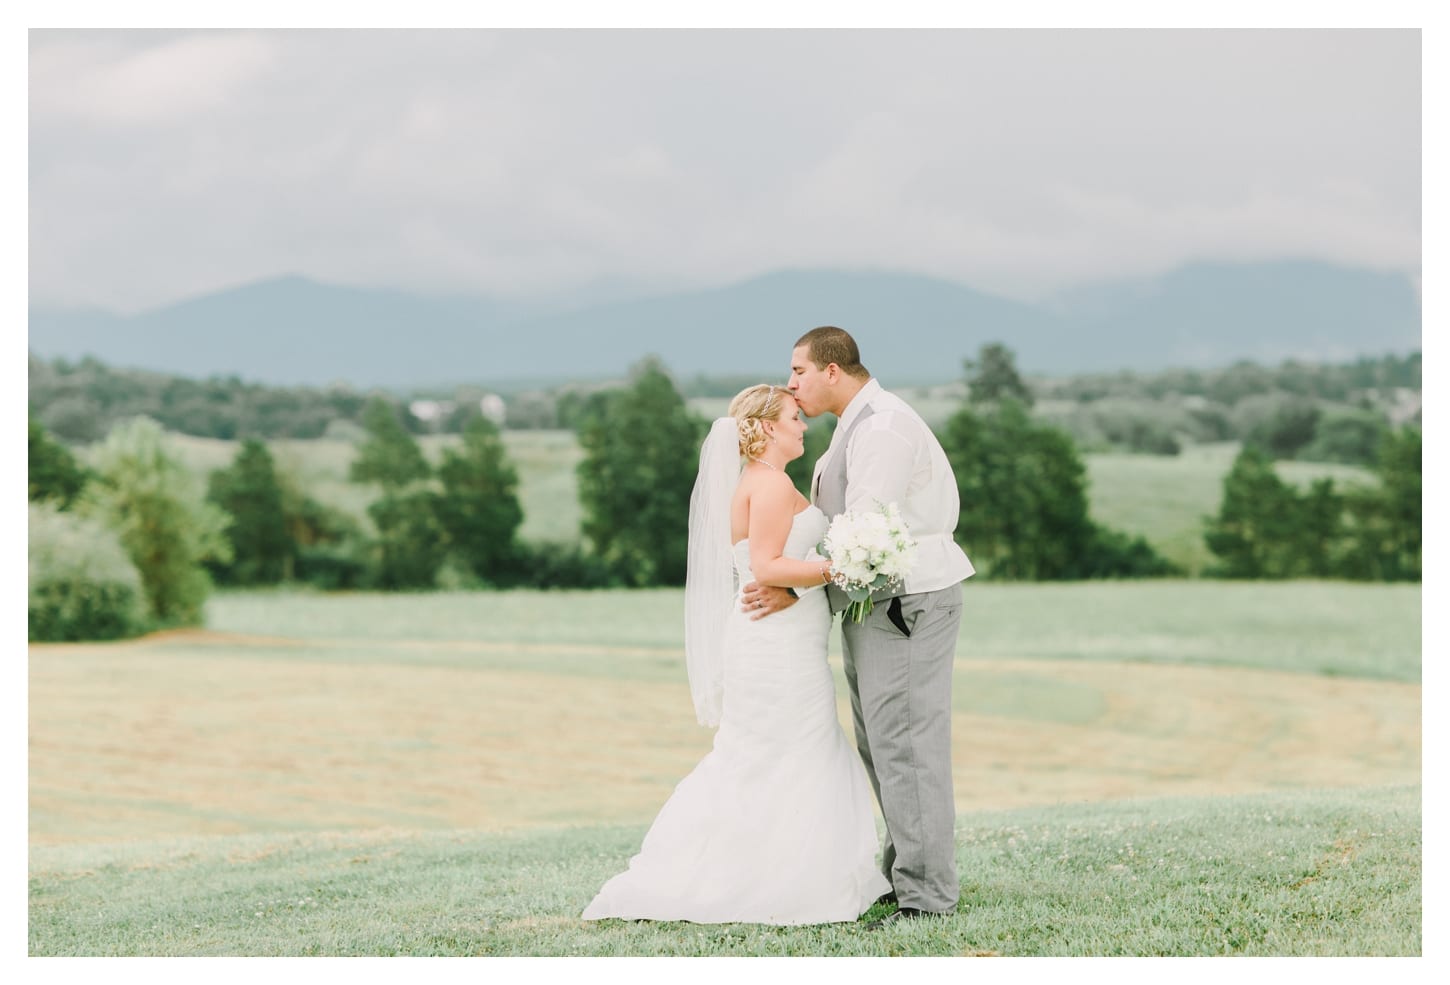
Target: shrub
column 1138, row 425
column 333, row 565
column 54, row 472
column 1281, row 426
column 74, row 417
column 1114, row 554
column 158, row 509
column 551, row 565
column 82, row 584
column 1352, row 436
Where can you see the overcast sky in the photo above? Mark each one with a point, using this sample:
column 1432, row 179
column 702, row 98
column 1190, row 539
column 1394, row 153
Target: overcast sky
column 164, row 165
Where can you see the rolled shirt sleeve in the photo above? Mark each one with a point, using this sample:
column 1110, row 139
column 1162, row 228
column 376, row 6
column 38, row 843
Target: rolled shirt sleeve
column 894, row 458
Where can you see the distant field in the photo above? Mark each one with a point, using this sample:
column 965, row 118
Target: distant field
column 1165, row 498
column 1162, row 498
column 545, row 461
column 498, row 710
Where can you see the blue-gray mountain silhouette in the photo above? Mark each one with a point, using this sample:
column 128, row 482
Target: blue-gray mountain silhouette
column 912, row 329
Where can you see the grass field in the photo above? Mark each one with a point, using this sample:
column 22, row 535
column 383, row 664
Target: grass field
column 353, row 751
column 1329, row 628
column 1309, row 873
column 1162, row 498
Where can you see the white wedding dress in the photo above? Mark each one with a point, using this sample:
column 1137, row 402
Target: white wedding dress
column 775, row 824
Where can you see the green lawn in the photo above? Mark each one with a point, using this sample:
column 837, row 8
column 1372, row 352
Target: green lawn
column 1335, row 628
column 1141, row 768
column 1306, row 873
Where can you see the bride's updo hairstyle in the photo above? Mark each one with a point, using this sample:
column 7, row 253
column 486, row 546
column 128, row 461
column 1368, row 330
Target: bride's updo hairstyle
column 751, row 406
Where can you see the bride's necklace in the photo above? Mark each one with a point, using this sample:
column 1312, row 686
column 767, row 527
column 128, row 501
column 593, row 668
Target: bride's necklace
column 762, row 462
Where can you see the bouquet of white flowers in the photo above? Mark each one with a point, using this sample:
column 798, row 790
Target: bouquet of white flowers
column 868, row 550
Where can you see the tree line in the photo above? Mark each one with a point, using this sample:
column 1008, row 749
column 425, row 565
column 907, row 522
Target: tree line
column 1313, row 412
column 1310, row 412
column 134, row 541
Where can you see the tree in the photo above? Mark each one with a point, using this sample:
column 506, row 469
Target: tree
column 1384, row 529
column 993, row 377
column 156, row 506
column 54, row 473
column 1023, row 492
column 78, row 402
column 332, row 550
column 1024, row 506
column 75, row 417
column 1257, row 532
column 1321, row 530
column 1400, row 472
column 263, row 549
column 1139, row 425
column 478, row 507
column 1349, row 436
column 641, row 452
column 389, row 456
column 1287, row 429
column 1242, row 379
column 410, row 540
column 1266, row 529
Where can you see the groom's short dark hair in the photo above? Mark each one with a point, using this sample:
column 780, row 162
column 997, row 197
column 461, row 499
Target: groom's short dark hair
column 829, row 344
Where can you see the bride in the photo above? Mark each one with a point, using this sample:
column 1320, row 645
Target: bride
column 775, row 824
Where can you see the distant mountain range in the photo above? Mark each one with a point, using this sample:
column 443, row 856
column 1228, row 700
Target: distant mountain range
column 912, row 329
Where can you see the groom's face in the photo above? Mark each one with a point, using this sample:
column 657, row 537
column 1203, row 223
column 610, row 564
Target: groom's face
column 808, row 383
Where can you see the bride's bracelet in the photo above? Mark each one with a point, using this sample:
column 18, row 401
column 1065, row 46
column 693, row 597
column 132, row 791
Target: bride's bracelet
column 825, row 580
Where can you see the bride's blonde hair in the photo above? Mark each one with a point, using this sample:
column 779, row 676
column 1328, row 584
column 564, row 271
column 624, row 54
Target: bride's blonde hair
column 751, row 406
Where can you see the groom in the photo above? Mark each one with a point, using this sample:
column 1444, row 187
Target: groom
column 899, row 660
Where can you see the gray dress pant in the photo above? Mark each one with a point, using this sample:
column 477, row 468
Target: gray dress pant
column 901, row 703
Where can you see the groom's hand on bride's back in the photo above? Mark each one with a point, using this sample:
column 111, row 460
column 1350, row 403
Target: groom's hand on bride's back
column 759, row 601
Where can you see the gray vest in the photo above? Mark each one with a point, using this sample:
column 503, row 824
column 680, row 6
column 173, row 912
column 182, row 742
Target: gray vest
column 831, row 498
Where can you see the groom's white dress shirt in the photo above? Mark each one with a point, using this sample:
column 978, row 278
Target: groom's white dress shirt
column 893, row 457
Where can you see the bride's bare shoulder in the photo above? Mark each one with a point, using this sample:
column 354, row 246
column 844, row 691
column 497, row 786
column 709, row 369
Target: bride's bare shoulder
column 770, row 489
column 766, row 479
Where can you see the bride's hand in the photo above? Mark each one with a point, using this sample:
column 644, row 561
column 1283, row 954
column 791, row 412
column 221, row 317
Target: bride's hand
column 760, row 601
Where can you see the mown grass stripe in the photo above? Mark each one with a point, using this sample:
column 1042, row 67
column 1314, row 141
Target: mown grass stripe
column 1306, row 873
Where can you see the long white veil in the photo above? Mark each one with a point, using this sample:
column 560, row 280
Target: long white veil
column 710, row 570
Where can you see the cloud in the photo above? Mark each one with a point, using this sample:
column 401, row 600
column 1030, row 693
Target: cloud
column 105, row 82
column 524, row 162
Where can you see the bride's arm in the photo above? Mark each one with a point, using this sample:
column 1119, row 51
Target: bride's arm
column 772, row 510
